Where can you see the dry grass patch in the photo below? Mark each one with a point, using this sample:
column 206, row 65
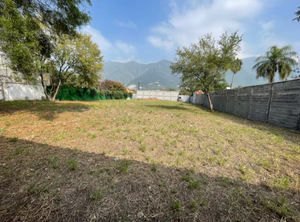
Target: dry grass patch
column 143, row 160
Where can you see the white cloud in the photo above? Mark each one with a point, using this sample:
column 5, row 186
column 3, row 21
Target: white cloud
column 97, row 37
column 196, row 18
column 268, row 25
column 128, row 24
column 129, row 59
column 160, row 43
column 127, row 48
column 122, row 51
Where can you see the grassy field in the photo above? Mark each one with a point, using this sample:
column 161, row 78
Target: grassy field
column 143, row 161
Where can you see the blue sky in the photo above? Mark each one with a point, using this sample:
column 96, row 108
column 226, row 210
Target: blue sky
column 151, row 30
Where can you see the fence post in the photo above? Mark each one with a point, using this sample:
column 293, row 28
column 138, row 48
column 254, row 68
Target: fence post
column 235, row 101
column 250, row 103
column 270, row 101
column 298, row 123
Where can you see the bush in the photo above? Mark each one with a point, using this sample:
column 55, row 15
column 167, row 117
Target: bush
column 86, row 94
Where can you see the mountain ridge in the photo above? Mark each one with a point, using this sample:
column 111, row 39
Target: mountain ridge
column 158, row 75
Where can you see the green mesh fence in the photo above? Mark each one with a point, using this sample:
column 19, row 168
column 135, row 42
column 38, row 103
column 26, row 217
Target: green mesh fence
column 85, row 94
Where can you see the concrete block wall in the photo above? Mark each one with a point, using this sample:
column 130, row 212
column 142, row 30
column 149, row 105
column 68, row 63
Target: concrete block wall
column 277, row 103
column 18, row 91
column 161, row 95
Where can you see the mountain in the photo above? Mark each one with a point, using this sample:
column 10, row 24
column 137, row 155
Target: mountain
column 158, row 75
column 151, row 76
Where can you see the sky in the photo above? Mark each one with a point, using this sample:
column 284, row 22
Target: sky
column 148, row 31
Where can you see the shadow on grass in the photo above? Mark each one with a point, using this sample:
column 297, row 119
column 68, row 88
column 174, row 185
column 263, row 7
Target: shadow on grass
column 44, row 110
column 39, row 182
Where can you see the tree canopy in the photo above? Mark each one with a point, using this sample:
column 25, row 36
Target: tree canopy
column 29, row 29
column 20, row 41
column 75, row 56
column 276, row 60
column 204, row 64
column 112, row 86
column 235, row 68
column 61, row 16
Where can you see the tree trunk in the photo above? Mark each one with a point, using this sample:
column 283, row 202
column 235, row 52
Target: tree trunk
column 232, row 80
column 45, row 90
column 209, row 101
column 56, row 91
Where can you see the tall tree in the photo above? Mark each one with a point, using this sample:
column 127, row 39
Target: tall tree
column 61, row 16
column 207, row 61
column 28, row 29
column 75, row 56
column 276, row 60
column 235, row 68
column 21, row 41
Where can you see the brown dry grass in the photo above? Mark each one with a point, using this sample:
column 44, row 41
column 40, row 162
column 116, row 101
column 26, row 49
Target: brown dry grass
column 143, row 161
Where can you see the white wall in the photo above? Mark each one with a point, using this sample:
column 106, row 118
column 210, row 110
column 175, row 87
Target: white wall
column 185, row 98
column 161, row 95
column 17, row 91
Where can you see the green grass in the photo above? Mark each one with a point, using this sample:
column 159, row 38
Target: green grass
column 176, row 205
column 96, row 194
column 124, row 166
column 72, row 164
column 14, row 139
column 54, row 161
column 143, row 148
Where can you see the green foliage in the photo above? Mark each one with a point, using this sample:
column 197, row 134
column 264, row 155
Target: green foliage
column 84, row 94
column 235, row 68
column 75, row 56
column 281, row 60
column 62, row 17
column 203, row 65
column 112, row 86
column 19, row 39
column 29, row 29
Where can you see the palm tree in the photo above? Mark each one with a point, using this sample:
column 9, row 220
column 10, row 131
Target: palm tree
column 236, row 67
column 281, row 60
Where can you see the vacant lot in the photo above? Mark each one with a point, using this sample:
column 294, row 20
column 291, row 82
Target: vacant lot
column 143, row 161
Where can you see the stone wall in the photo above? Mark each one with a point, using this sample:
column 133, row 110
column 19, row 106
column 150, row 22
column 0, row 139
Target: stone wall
column 277, row 103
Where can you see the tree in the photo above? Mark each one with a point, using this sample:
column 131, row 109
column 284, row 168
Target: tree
column 112, row 86
column 61, row 16
column 28, row 29
column 236, row 67
column 22, row 42
column 75, row 56
column 205, row 63
column 281, row 60
column 297, row 15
